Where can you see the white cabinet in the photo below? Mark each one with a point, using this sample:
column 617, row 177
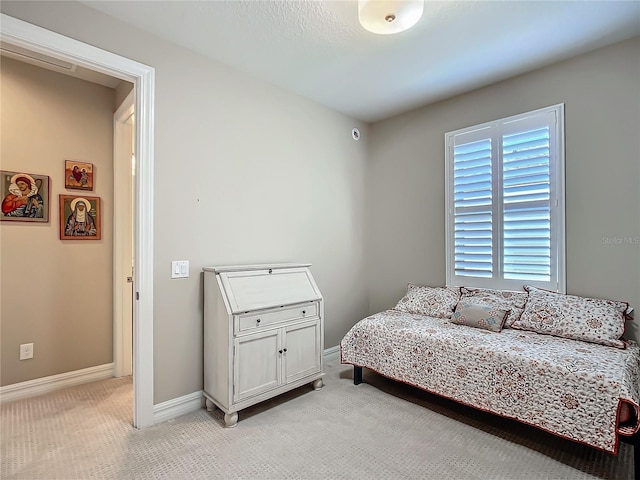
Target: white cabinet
column 263, row 334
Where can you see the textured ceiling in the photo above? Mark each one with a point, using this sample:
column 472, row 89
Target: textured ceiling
column 316, row 48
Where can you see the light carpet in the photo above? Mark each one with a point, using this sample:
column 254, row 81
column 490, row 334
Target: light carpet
column 377, row 430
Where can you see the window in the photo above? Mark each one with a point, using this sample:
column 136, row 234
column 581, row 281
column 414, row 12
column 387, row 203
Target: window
column 505, row 202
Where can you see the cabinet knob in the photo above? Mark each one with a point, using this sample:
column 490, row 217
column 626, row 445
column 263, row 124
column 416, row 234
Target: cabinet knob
column 258, row 321
column 279, row 351
column 304, row 312
column 285, row 350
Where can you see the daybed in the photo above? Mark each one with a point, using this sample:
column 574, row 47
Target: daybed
column 554, row 361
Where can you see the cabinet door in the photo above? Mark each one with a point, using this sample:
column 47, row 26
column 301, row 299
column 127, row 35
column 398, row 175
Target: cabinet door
column 303, row 356
column 256, row 366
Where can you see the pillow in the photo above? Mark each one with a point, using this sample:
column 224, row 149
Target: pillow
column 479, row 315
column 570, row 316
column 436, row 302
column 500, row 299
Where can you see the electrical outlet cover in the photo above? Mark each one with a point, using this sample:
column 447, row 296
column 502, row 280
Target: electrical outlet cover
column 26, row 351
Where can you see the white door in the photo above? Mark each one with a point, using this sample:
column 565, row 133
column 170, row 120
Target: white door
column 256, row 367
column 302, row 356
column 123, row 238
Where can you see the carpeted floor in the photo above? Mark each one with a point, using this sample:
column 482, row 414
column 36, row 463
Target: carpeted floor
column 377, row 430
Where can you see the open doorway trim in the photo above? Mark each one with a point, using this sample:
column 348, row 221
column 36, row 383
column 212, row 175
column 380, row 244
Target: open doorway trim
column 37, row 39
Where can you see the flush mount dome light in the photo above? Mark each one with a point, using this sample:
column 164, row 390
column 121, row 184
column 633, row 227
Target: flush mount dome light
column 389, row 16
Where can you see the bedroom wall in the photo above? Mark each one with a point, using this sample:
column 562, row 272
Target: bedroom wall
column 56, row 294
column 244, row 173
column 601, row 92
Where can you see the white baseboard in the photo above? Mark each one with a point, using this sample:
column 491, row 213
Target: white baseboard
column 177, row 406
column 161, row 412
column 332, row 353
column 38, row 386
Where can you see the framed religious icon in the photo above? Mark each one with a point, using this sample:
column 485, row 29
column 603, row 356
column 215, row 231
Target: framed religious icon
column 78, row 175
column 25, row 197
column 80, row 218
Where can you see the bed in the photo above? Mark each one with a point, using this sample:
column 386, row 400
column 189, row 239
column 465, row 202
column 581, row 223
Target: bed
column 583, row 391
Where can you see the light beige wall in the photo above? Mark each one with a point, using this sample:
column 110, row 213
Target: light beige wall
column 55, row 294
column 244, row 173
column 601, row 92
column 122, row 90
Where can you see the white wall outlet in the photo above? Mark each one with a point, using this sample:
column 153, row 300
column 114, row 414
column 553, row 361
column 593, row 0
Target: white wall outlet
column 26, row 351
column 180, row 269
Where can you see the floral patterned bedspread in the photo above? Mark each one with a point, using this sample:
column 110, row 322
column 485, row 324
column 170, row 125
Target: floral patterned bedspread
column 568, row 387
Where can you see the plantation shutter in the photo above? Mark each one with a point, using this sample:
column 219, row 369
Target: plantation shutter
column 473, row 204
column 526, row 184
column 505, row 203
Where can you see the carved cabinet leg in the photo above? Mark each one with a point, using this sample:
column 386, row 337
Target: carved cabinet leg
column 317, row 384
column 231, row 419
column 210, row 405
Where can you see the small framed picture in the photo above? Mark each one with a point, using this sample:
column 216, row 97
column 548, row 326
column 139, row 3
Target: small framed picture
column 80, row 218
column 78, row 175
column 25, row 197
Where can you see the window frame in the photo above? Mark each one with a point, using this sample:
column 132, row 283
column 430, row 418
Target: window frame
column 557, row 201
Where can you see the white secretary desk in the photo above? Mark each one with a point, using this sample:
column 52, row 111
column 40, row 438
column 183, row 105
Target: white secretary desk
column 263, row 334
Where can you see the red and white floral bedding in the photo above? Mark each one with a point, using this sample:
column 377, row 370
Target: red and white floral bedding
column 568, row 387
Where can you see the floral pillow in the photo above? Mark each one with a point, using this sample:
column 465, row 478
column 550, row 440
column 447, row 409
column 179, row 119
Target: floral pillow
column 436, row 302
column 513, row 302
column 479, row 315
column 570, row 316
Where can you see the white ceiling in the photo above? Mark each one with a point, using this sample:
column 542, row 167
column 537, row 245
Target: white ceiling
column 316, row 48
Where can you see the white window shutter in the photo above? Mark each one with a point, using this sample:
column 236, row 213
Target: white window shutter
column 526, row 205
column 473, row 204
column 505, row 202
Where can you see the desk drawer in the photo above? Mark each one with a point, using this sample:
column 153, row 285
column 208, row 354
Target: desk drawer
column 255, row 320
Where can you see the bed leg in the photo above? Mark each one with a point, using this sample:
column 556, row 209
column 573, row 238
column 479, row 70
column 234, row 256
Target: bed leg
column 636, row 455
column 357, row 375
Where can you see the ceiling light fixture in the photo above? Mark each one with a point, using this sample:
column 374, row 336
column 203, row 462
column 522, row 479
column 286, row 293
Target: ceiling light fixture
column 389, row 16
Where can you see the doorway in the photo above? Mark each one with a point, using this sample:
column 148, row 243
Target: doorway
column 45, row 42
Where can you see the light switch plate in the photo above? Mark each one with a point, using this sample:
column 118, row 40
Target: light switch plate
column 180, row 269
